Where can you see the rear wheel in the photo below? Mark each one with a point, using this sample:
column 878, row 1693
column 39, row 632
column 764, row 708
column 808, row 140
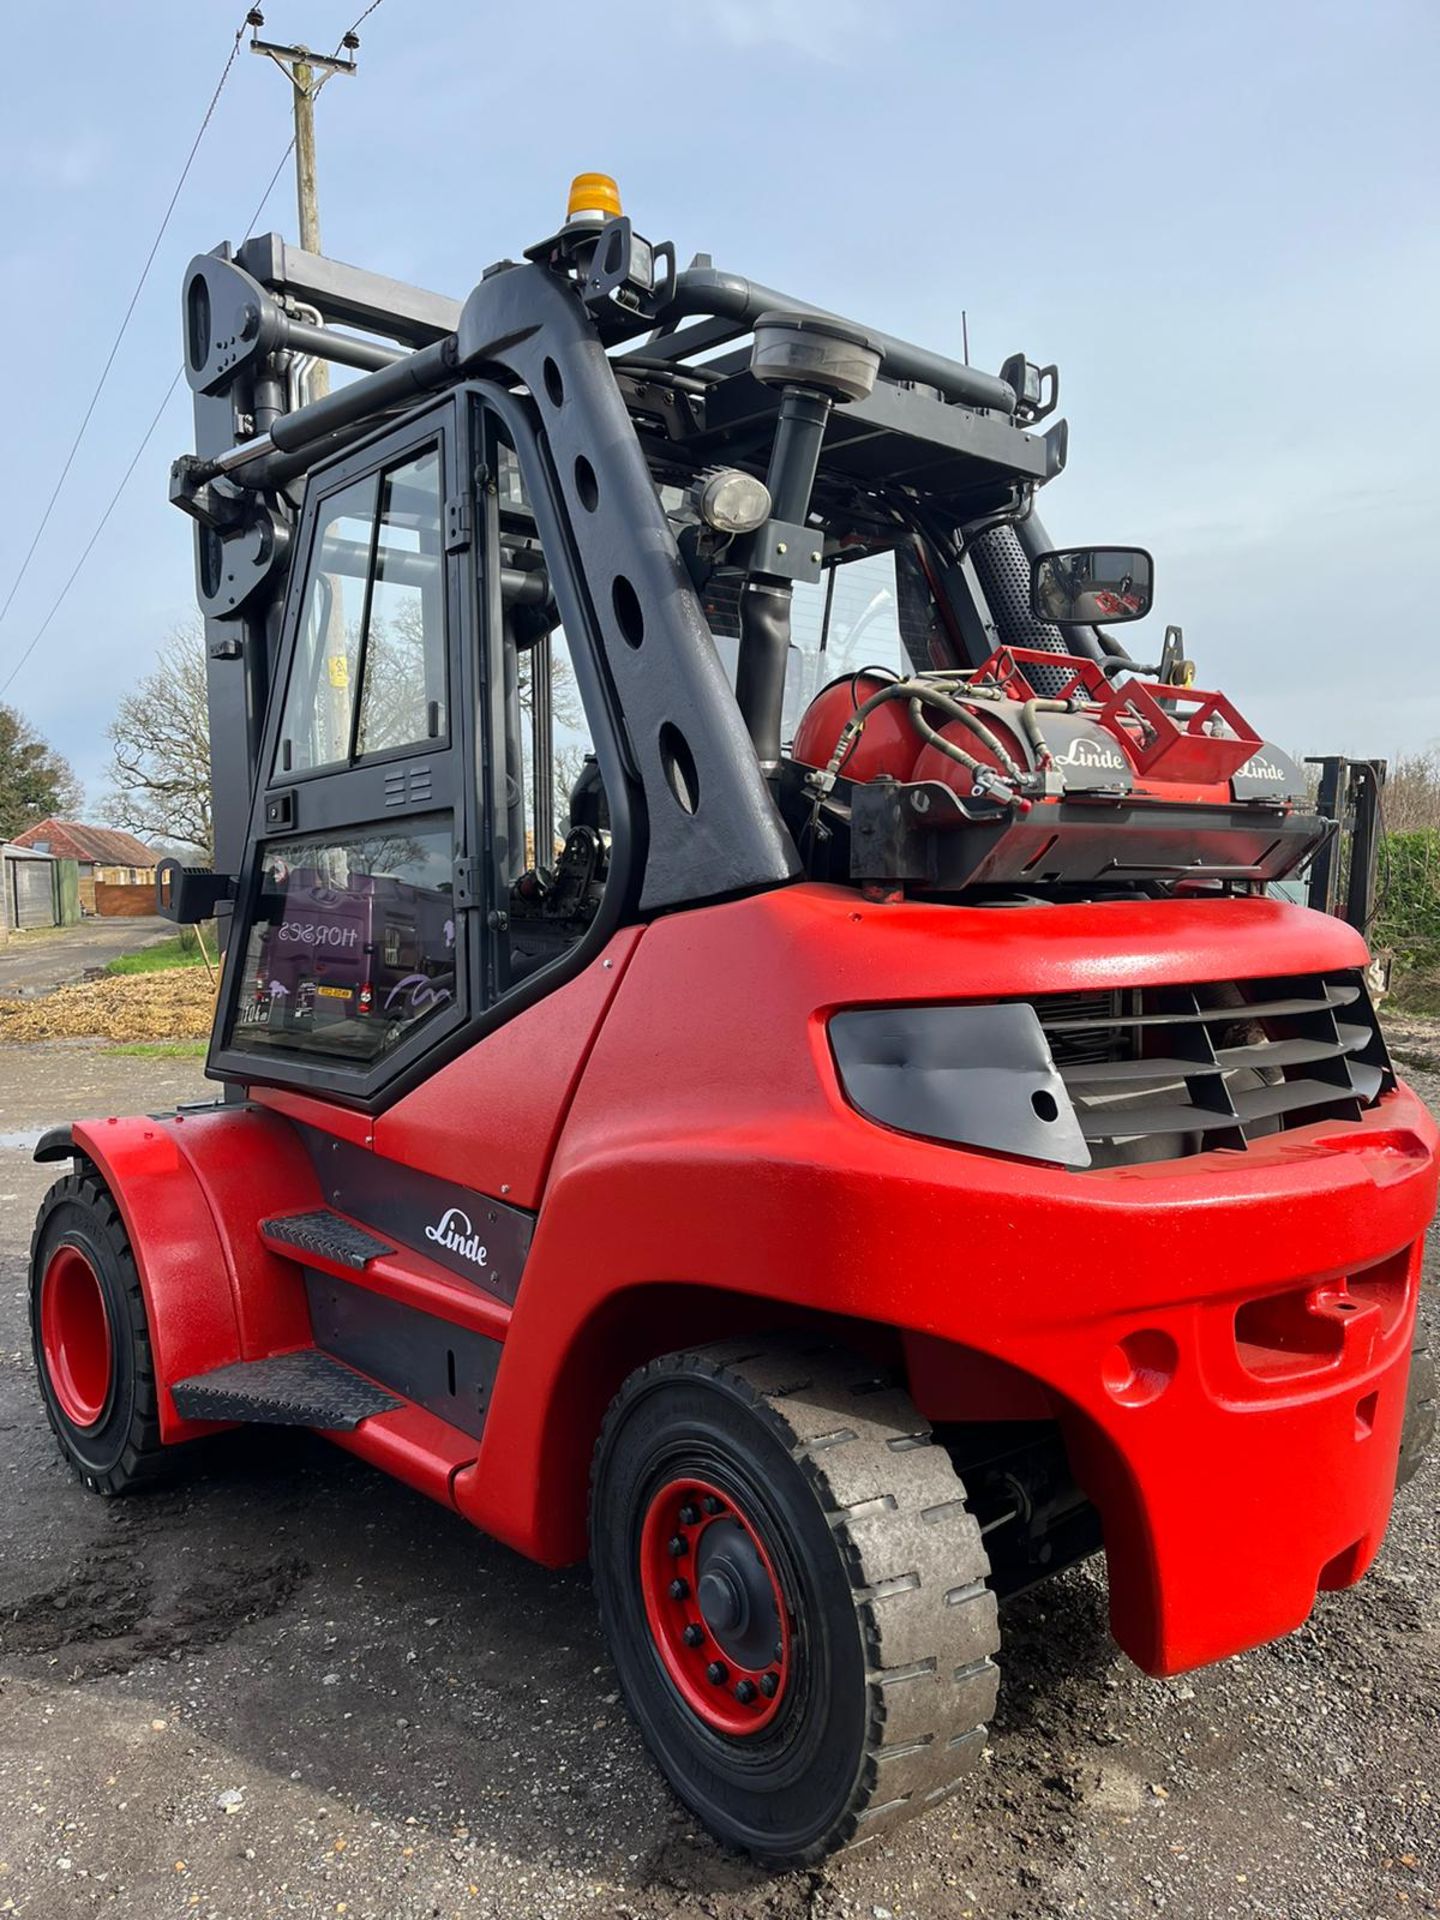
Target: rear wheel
column 91, row 1340
column 794, row 1594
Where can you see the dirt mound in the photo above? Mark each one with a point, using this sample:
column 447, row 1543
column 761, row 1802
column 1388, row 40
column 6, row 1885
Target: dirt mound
column 177, row 1004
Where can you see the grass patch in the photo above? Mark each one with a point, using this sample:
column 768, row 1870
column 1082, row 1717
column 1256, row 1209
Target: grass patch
column 182, row 950
column 160, row 1050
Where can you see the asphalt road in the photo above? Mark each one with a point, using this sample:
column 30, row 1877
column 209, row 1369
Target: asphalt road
column 289, row 1686
column 57, row 956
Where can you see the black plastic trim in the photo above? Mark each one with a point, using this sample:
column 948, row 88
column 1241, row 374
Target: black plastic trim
column 975, row 1076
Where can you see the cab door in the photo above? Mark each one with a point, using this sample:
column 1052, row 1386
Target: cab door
column 349, row 957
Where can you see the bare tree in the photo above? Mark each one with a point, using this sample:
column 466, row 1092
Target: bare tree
column 570, row 731
column 160, row 740
column 1412, row 791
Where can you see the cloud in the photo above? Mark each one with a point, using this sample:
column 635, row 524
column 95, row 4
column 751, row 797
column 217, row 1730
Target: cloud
column 827, row 29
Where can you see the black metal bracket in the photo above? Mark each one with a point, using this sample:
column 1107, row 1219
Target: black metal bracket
column 188, row 895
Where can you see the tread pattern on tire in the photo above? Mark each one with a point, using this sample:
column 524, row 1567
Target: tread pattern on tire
column 913, row 1550
column 144, row 1458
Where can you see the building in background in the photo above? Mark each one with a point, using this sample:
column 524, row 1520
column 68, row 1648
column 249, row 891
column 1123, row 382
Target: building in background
column 117, row 871
column 28, row 893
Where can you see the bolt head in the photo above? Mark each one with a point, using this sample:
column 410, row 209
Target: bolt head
column 689, row 1514
column 693, row 1636
column 717, row 1673
column 745, row 1692
column 769, row 1685
column 677, row 1546
column 679, row 1589
column 711, row 1504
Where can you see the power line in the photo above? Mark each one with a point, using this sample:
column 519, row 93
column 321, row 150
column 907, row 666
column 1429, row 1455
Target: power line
column 146, row 438
column 255, row 216
column 101, row 524
column 149, row 433
column 124, row 324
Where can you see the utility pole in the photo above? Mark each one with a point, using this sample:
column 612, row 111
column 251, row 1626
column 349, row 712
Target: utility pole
column 307, row 73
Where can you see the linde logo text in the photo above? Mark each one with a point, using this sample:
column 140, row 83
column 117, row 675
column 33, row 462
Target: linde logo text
column 1257, row 767
column 1090, row 753
column 454, row 1230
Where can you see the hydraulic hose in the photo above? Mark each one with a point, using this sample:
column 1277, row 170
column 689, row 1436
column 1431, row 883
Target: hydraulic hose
column 920, row 694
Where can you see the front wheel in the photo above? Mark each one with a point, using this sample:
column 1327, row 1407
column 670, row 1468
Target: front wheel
column 91, row 1340
column 794, row 1594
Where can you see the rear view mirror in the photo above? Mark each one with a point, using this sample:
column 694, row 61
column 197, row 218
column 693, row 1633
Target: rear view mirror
column 1080, row 585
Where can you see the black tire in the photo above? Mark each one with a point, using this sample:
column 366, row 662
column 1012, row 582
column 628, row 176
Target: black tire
column 121, row 1449
column 890, row 1674
column 1419, row 1430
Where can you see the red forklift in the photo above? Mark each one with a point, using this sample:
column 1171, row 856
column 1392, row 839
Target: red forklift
column 844, row 1127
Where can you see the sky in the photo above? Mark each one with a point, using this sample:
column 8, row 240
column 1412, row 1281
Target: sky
column 1222, row 222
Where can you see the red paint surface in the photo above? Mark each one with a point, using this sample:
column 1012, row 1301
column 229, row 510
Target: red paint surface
column 710, row 1155
column 1172, row 756
column 211, row 1297
column 416, row 1447
column 710, row 1176
column 491, row 1119
column 75, row 1335
column 670, row 1615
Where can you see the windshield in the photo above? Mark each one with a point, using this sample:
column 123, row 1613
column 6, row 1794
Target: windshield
column 874, row 610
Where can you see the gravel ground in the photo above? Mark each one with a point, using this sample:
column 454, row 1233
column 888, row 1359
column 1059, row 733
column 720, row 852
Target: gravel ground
column 291, row 1687
column 50, row 957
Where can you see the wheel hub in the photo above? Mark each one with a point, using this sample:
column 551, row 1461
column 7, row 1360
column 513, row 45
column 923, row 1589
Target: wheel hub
column 75, row 1336
column 714, row 1606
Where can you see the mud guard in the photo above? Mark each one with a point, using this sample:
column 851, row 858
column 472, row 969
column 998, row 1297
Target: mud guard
column 213, row 1294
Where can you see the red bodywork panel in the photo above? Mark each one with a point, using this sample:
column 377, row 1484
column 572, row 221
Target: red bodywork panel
column 711, row 1167
column 491, row 1119
column 710, row 1177
column 191, row 1190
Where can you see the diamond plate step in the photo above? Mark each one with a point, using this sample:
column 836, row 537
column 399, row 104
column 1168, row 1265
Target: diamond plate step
column 326, row 1233
column 305, row 1389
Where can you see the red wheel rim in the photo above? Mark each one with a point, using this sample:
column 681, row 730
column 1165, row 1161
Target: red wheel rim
column 714, row 1606
column 75, row 1336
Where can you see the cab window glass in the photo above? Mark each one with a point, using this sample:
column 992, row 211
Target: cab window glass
column 315, row 730
column 553, row 845
column 352, row 946
column 871, row 611
column 373, row 628
column 403, row 689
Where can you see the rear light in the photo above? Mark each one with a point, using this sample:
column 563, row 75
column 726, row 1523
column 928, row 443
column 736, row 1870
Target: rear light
column 367, row 997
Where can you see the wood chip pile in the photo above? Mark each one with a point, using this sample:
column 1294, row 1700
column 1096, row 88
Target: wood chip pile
column 174, row 1005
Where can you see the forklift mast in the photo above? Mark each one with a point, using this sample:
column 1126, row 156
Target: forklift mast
column 1343, row 872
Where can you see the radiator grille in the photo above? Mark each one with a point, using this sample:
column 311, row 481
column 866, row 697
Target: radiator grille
column 1158, row 1073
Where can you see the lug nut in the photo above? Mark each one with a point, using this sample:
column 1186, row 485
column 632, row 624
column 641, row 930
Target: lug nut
column 717, row 1673
column 711, row 1504
column 679, row 1589
column 678, row 1546
column 769, row 1685
column 745, row 1692
column 689, row 1514
column 693, row 1636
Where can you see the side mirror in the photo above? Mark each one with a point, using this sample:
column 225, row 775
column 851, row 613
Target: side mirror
column 1083, row 585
